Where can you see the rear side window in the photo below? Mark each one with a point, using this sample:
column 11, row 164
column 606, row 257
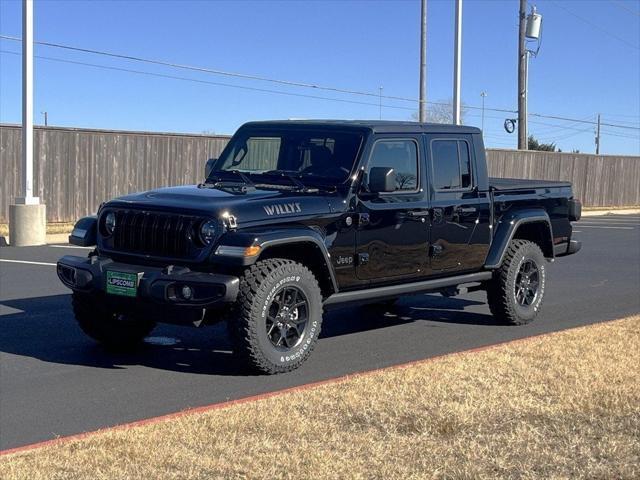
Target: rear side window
column 402, row 156
column 451, row 164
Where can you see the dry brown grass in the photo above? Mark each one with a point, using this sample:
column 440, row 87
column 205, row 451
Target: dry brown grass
column 560, row 406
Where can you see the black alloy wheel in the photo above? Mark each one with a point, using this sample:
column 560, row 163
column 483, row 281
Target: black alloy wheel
column 287, row 318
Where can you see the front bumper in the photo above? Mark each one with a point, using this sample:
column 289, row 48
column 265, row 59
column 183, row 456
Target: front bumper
column 161, row 285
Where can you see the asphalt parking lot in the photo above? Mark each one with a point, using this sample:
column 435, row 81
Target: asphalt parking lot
column 55, row 381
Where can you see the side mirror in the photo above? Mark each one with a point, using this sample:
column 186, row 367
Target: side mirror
column 208, row 167
column 382, row 179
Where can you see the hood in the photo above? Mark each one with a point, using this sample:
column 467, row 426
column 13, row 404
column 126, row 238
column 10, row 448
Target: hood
column 246, row 207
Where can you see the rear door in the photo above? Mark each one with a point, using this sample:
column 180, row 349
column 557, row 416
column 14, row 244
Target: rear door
column 459, row 210
column 393, row 229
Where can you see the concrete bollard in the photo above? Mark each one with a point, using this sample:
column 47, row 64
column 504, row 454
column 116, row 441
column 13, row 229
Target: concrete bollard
column 27, row 225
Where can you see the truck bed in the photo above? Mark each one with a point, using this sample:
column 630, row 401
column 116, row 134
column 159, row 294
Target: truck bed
column 506, row 184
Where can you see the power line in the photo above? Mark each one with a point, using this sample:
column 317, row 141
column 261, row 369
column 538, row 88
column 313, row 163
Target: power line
column 625, row 7
column 595, row 25
column 556, row 117
column 220, row 84
column 213, row 71
column 283, row 82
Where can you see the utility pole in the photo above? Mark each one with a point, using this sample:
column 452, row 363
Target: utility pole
column 483, row 95
column 598, row 137
column 46, row 118
column 457, row 62
column 27, row 217
column 422, row 103
column 523, row 61
column 380, row 112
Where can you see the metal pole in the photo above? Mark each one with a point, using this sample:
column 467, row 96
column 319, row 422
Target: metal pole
column 46, row 119
column 422, row 104
column 27, row 104
column 598, row 137
column 523, row 60
column 457, row 63
column 380, row 112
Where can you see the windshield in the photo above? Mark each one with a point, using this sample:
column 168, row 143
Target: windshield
column 310, row 155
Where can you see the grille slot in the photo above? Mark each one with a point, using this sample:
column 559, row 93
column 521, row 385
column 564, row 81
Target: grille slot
column 150, row 233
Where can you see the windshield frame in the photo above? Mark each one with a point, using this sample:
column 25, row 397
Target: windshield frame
column 275, row 179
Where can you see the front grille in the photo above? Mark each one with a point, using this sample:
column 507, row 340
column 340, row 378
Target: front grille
column 156, row 234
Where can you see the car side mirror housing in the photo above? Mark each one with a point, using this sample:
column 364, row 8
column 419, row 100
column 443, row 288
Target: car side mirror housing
column 382, row 179
column 209, row 166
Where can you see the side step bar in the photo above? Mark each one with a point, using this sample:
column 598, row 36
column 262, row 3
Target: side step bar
column 382, row 293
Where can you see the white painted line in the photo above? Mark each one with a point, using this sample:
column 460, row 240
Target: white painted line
column 70, row 246
column 608, row 220
column 27, row 262
column 615, row 228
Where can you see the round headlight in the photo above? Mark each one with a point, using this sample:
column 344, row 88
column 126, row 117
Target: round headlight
column 110, row 222
column 208, row 231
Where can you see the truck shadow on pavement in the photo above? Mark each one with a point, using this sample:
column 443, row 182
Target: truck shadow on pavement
column 44, row 328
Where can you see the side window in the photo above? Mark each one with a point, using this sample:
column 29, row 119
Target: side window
column 402, row 156
column 451, row 164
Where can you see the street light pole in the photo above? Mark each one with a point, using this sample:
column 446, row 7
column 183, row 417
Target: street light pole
column 422, row 103
column 457, row 63
column 27, row 104
column 27, row 216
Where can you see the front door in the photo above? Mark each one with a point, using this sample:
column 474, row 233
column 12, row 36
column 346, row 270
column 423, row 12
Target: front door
column 393, row 228
column 460, row 211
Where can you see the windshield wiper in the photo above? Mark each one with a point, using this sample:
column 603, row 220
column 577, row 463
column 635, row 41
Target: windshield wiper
column 293, row 176
column 245, row 182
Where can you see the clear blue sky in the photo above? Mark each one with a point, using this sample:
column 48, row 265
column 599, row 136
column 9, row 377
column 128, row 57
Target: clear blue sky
column 589, row 62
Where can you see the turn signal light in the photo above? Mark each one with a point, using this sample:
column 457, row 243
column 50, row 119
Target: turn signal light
column 252, row 251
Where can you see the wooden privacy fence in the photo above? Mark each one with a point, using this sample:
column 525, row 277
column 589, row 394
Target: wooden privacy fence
column 77, row 169
column 598, row 180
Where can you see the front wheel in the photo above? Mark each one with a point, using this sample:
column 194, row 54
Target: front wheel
column 516, row 291
column 277, row 317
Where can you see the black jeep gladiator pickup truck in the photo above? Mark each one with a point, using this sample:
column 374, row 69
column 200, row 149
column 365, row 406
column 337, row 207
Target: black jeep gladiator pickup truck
column 298, row 216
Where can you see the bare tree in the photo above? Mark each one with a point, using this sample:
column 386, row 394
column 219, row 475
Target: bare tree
column 442, row 112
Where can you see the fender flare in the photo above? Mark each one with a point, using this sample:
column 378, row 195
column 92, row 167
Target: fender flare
column 274, row 238
column 506, row 229
column 85, row 232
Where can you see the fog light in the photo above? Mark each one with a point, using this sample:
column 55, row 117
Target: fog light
column 187, row 292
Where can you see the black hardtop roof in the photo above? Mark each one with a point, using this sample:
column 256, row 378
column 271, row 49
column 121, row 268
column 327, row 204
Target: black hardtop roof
column 375, row 126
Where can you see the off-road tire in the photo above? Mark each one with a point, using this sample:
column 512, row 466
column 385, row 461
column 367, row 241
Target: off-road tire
column 501, row 289
column 259, row 286
column 114, row 330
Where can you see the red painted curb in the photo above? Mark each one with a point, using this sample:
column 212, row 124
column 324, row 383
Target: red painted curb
column 275, row 393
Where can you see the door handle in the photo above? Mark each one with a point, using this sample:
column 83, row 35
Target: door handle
column 419, row 213
column 466, row 209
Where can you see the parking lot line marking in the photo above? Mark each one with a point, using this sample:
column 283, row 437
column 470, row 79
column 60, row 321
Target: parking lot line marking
column 600, row 226
column 70, row 246
column 605, row 220
column 27, row 262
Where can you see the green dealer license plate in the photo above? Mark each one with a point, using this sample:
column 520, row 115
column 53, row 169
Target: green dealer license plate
column 122, row 283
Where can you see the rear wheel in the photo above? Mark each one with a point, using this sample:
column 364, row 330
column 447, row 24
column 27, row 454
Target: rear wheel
column 112, row 328
column 516, row 291
column 277, row 317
